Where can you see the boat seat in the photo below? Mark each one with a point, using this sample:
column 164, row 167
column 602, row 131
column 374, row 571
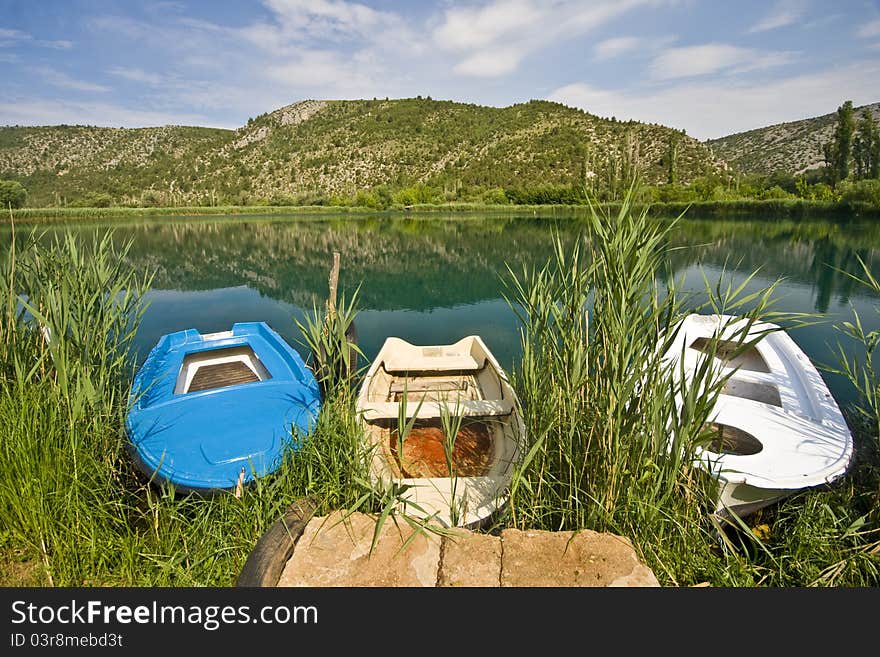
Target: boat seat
column 439, row 363
column 796, row 451
column 432, row 409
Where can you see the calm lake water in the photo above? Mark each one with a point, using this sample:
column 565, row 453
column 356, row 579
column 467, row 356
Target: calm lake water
column 433, row 280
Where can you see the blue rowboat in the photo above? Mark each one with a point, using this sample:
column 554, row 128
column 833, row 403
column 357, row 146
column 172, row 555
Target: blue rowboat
column 211, row 411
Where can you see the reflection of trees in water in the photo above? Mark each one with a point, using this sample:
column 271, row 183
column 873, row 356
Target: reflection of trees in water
column 420, row 263
column 399, row 263
column 816, row 254
column 829, row 260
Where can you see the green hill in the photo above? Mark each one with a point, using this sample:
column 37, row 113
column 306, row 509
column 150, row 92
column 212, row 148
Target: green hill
column 794, row 147
column 312, row 150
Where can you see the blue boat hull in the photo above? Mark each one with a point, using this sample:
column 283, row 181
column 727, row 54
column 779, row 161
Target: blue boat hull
column 187, row 429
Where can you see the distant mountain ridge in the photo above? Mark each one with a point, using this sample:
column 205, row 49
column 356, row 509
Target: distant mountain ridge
column 326, row 147
column 793, row 147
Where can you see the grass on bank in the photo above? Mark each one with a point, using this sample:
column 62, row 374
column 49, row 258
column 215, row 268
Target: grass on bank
column 595, row 398
column 770, row 209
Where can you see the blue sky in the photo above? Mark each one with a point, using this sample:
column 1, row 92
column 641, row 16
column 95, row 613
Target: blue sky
column 709, row 67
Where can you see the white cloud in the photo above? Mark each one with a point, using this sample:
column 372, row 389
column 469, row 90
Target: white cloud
column 783, row 14
column 494, row 38
column 64, row 81
column 337, row 19
column 44, row 111
column 327, row 74
column 466, row 29
column 870, row 30
column 489, row 63
column 611, row 48
column 314, row 69
column 691, row 61
column 12, row 38
column 8, row 35
column 137, row 75
column 715, row 108
column 55, row 45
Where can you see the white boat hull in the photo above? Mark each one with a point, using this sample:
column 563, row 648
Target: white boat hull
column 779, row 430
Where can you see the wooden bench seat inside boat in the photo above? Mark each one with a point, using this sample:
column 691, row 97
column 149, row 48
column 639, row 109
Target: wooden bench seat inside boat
column 429, row 409
column 407, row 362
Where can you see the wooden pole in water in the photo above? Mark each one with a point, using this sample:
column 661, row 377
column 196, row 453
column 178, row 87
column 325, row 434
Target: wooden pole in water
column 334, row 282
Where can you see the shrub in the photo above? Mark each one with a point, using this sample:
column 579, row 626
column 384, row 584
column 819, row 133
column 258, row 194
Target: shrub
column 12, row 194
column 862, row 191
column 151, row 199
column 495, row 196
column 93, row 200
column 416, row 194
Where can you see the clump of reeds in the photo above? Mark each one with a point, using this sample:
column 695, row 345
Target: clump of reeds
column 612, row 426
column 836, row 535
column 70, row 314
column 861, row 369
column 331, row 338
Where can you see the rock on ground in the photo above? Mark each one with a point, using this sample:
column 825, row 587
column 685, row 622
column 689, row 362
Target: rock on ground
column 335, row 550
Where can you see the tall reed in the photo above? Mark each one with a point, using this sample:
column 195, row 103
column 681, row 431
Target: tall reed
column 331, row 338
column 66, row 365
column 612, row 425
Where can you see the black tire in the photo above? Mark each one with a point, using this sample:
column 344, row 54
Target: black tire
column 266, row 561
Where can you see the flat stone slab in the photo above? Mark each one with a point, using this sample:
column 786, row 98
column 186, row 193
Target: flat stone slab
column 334, row 550
column 469, row 559
column 585, row 558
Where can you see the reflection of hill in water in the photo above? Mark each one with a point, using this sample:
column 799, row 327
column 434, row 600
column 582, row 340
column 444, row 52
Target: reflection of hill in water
column 429, row 262
column 399, row 263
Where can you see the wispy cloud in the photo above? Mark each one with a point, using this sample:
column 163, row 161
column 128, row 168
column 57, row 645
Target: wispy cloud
column 691, row 61
column 869, row 30
column 326, row 69
column 714, row 108
column 331, row 18
column 316, row 23
column 9, row 37
column 628, row 45
column 61, row 44
column 136, row 75
column 783, row 14
column 12, row 38
column 45, row 111
column 253, row 59
column 494, row 38
column 611, row 48
column 64, row 81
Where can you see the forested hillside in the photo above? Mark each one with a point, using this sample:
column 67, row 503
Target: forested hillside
column 417, row 150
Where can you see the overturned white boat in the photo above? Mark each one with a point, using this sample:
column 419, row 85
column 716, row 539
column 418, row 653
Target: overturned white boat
column 777, row 428
column 453, row 460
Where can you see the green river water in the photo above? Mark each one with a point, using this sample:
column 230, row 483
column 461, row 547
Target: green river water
column 434, row 279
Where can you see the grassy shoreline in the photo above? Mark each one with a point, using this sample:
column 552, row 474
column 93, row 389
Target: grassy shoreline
column 775, row 209
column 75, row 512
